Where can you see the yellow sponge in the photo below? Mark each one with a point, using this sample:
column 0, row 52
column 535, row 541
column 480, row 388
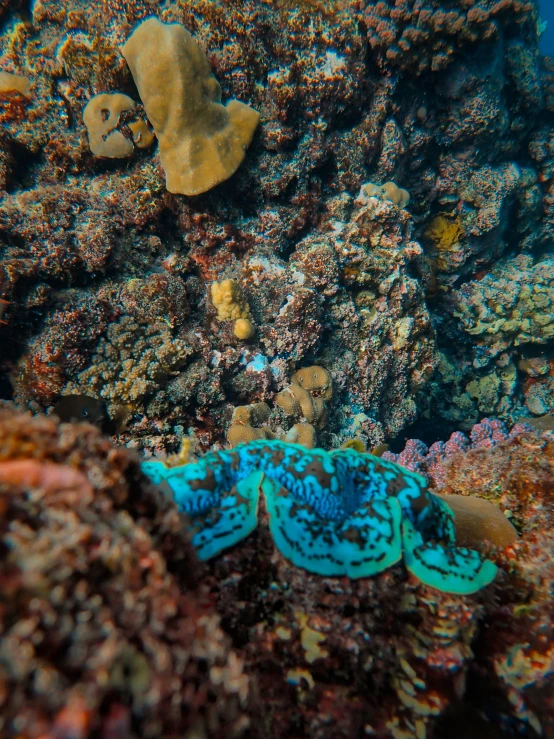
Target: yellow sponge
column 101, row 116
column 202, row 142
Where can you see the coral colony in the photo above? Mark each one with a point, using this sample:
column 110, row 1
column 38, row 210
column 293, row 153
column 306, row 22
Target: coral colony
column 277, row 328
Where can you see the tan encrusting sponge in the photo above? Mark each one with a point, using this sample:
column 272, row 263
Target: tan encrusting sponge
column 202, row 142
column 101, row 116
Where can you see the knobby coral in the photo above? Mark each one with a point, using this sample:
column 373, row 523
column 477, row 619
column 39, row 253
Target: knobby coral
column 130, row 363
column 510, row 306
column 231, row 305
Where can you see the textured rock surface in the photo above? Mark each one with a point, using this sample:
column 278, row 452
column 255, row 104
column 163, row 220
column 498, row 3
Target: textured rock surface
column 341, row 104
column 104, row 628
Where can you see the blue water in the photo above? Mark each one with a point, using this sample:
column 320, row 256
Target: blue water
column 547, row 14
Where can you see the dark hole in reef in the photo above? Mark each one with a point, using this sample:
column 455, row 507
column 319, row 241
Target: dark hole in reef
column 105, row 113
column 484, row 713
column 6, row 390
column 22, row 10
column 426, row 430
column 22, row 168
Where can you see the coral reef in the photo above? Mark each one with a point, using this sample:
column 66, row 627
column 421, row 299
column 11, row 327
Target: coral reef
column 511, row 305
column 330, row 278
column 427, row 317
column 104, row 631
column 417, row 457
column 516, row 471
column 429, row 36
column 325, row 654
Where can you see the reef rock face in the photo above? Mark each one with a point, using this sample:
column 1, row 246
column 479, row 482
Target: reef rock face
column 451, row 107
column 104, row 629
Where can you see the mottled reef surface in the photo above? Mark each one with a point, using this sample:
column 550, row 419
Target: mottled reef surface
column 197, row 315
column 441, row 309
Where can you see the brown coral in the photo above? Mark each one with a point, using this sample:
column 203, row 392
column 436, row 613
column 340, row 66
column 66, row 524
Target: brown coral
column 131, row 363
column 245, row 422
column 316, row 380
column 306, row 399
column 14, row 82
column 389, row 191
column 242, row 434
column 303, row 434
column 479, row 521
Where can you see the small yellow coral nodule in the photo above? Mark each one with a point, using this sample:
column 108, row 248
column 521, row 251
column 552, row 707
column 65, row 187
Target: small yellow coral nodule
column 444, row 232
column 230, row 305
column 244, row 329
